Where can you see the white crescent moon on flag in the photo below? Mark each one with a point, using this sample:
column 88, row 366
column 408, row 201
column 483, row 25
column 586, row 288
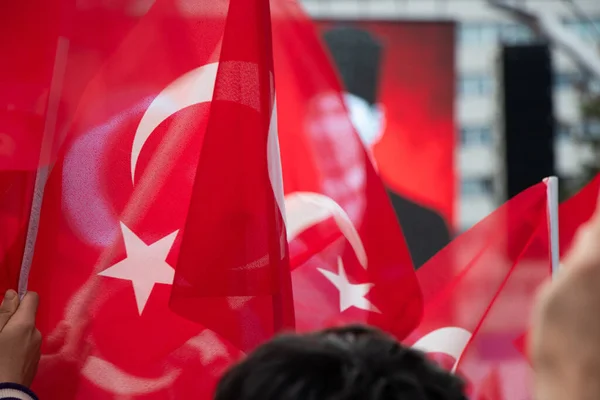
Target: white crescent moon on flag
column 81, row 187
column 450, row 340
column 274, row 162
column 275, row 171
column 114, row 380
column 194, row 87
column 306, row 209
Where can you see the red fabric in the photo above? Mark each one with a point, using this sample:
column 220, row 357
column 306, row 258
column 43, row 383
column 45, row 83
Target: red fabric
column 25, row 80
column 483, row 285
column 572, row 214
column 324, row 160
column 25, row 77
column 491, row 387
column 53, row 41
column 16, row 190
column 114, row 200
column 233, row 272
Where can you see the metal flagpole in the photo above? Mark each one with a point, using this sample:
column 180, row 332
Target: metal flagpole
column 60, row 64
column 553, row 229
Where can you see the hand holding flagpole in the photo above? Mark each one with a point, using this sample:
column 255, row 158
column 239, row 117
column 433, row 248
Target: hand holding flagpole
column 565, row 338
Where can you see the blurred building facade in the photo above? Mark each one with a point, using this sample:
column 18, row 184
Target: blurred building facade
column 481, row 31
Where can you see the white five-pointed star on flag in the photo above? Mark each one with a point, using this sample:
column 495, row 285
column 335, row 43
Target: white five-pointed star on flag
column 144, row 266
column 350, row 294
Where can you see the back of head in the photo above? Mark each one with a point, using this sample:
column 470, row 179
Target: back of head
column 351, row 363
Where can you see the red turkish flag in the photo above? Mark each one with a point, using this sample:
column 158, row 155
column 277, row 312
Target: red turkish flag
column 478, row 293
column 491, row 387
column 54, row 40
column 25, row 77
column 233, row 272
column 349, row 259
column 25, row 80
column 16, row 191
column 572, row 214
column 116, row 203
column 137, row 99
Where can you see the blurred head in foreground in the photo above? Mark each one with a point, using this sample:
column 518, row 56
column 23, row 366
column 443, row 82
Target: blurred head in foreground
column 349, row 363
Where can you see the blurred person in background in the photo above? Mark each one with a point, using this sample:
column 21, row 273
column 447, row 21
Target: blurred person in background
column 357, row 56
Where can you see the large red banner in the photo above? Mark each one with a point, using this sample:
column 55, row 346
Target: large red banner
column 400, row 77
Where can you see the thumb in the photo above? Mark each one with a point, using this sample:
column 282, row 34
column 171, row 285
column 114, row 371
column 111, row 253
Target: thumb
column 9, row 306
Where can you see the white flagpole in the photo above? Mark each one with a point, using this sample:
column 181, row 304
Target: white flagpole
column 552, row 198
column 41, row 177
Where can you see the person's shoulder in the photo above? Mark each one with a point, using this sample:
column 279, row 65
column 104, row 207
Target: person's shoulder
column 417, row 212
column 426, row 231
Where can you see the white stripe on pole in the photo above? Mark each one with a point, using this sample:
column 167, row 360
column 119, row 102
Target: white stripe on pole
column 60, row 64
column 552, row 199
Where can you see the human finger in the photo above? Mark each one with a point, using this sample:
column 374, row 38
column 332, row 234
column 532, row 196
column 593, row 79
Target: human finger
column 9, row 306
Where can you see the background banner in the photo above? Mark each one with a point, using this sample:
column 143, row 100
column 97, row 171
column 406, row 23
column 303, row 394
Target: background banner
column 400, row 78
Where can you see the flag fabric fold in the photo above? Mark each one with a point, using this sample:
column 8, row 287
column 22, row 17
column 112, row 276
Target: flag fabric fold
column 233, row 271
column 146, row 117
column 350, row 262
column 573, row 213
column 478, row 292
column 136, row 104
column 25, row 80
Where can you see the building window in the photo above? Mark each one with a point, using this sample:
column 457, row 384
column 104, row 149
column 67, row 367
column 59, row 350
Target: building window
column 468, row 34
column 592, row 129
column 586, row 30
column 565, row 80
column 594, row 86
column 516, row 34
column 476, row 136
column 475, row 85
column 485, row 33
column 563, row 131
column 476, row 33
column 476, row 187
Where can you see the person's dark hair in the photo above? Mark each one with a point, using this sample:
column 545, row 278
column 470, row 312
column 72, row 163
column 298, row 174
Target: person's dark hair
column 350, row 363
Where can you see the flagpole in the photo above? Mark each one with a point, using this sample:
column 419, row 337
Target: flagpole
column 58, row 72
column 553, row 228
